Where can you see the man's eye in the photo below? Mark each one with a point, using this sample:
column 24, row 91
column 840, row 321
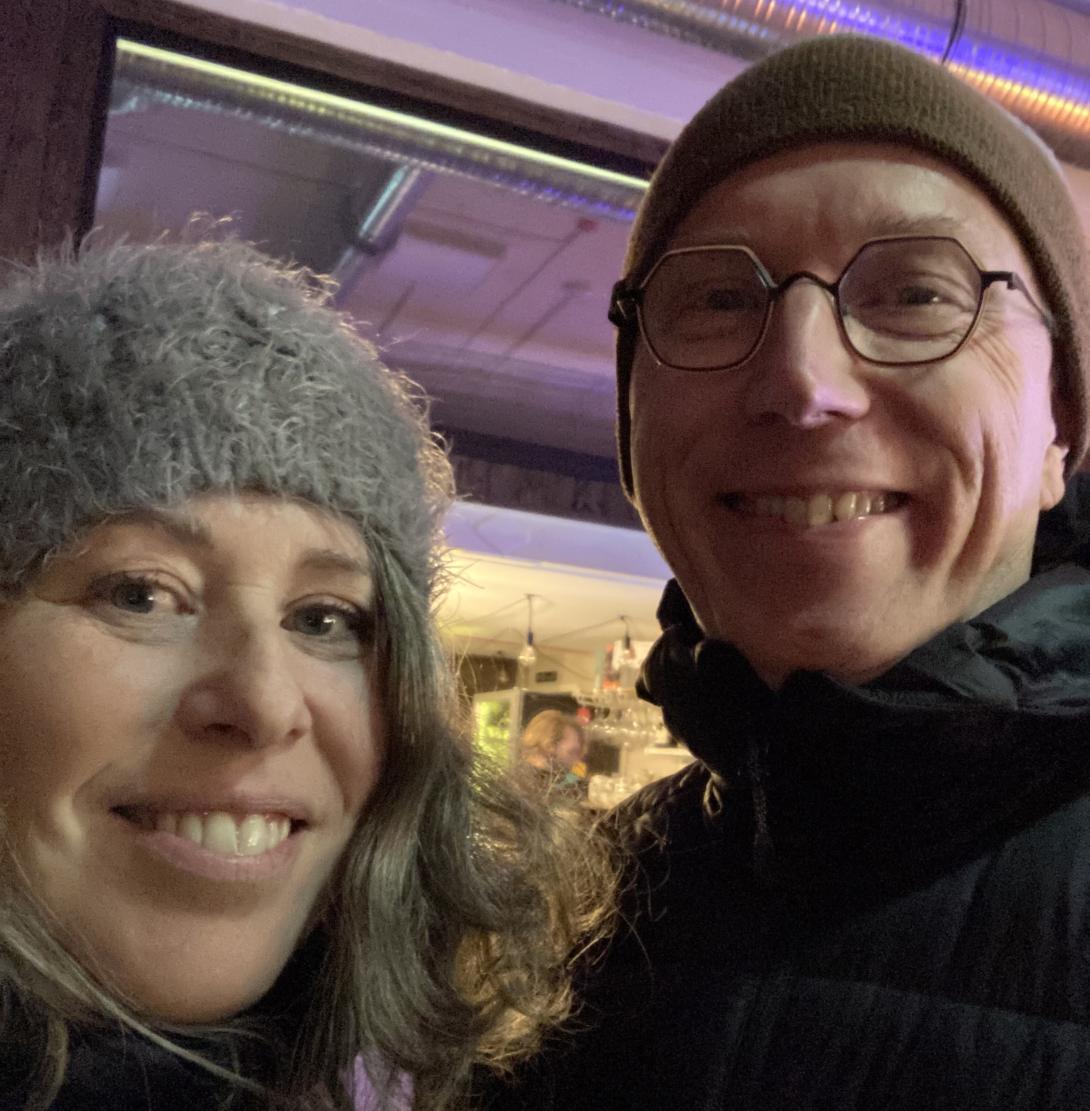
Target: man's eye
column 931, row 300
column 727, row 299
column 721, row 299
column 911, row 291
column 890, row 297
column 918, row 295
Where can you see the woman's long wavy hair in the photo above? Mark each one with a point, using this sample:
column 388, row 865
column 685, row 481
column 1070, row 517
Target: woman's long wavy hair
column 463, row 901
column 446, row 940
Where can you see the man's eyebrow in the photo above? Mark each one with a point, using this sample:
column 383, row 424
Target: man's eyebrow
column 884, row 222
column 874, row 224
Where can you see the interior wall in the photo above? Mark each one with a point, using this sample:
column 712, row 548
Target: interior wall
column 574, row 670
column 53, row 63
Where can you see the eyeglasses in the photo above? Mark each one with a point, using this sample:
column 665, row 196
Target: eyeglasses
column 900, row 300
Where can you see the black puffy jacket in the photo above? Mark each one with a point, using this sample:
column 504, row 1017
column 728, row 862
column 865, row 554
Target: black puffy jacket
column 868, row 898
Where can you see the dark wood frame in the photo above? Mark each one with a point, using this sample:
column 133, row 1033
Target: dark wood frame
column 56, row 57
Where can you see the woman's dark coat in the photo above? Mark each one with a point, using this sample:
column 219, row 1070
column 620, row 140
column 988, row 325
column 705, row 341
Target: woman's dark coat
column 116, row 1071
column 873, row 898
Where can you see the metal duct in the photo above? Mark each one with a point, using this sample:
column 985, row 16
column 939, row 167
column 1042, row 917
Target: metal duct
column 1033, row 56
column 378, row 225
column 146, row 76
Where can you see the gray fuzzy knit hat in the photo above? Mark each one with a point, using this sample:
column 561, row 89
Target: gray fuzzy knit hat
column 134, row 377
column 849, row 88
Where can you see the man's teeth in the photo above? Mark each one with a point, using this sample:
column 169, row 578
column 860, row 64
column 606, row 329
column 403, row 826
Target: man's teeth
column 228, row 834
column 821, row 509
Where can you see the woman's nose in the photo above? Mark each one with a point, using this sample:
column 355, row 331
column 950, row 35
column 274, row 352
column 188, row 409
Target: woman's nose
column 247, row 692
column 804, row 373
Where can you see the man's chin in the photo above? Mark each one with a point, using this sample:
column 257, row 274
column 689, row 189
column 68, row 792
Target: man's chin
column 851, row 651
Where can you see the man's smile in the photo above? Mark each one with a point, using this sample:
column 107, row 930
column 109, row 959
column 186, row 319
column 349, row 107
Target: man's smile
column 814, row 510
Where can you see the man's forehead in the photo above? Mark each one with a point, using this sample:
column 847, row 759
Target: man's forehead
column 843, row 194
column 877, row 222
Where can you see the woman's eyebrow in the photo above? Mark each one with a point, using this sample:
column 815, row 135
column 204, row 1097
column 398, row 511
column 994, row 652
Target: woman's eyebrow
column 328, row 559
column 187, row 530
column 193, row 533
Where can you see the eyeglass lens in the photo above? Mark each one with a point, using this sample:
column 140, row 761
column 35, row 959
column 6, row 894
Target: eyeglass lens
column 900, row 301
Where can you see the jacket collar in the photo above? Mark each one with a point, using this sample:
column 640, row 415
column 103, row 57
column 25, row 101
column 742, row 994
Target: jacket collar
column 968, row 736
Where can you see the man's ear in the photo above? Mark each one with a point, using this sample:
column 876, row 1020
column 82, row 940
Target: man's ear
column 1052, row 475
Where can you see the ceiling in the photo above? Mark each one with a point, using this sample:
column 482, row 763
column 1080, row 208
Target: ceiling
column 583, row 578
column 492, row 298
column 573, row 610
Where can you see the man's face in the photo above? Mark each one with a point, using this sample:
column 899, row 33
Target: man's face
column 967, row 445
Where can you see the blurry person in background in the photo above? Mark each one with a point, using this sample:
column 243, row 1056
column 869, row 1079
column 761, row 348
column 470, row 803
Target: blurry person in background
column 554, row 745
column 852, row 397
column 245, row 857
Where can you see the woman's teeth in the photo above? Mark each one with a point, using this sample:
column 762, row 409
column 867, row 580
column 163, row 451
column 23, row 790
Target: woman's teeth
column 219, row 832
column 821, row 509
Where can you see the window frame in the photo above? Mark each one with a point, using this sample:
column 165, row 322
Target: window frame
column 56, row 66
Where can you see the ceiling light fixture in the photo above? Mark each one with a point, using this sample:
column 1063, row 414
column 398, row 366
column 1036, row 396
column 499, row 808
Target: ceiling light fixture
column 149, row 74
column 528, row 656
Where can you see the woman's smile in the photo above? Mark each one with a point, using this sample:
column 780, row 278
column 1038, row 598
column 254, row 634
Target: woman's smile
column 215, row 747
column 216, row 845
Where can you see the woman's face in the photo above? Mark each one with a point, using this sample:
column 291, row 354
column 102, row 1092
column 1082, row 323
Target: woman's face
column 188, row 734
column 569, row 749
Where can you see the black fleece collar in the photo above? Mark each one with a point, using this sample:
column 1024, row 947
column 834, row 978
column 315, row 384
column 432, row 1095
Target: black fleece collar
column 974, row 733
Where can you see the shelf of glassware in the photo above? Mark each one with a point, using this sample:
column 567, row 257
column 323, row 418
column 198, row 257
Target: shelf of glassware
column 625, row 722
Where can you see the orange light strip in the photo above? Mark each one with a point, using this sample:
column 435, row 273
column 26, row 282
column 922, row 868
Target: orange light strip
column 1024, row 99
column 1030, row 100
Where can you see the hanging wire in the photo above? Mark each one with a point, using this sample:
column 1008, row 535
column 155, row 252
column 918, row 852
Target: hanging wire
column 498, row 610
column 528, row 655
column 584, row 629
column 956, row 30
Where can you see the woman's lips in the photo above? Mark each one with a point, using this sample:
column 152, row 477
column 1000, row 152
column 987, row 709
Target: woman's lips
column 230, row 833
column 216, row 844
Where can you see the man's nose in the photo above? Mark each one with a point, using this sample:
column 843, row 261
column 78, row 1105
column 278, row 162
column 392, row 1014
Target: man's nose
column 247, row 691
column 804, row 373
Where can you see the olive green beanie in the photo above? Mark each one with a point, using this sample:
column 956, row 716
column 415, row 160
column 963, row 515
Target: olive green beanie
column 848, row 88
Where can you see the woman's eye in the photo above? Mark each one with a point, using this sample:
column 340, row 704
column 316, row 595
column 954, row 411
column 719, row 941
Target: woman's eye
column 135, row 594
column 330, row 622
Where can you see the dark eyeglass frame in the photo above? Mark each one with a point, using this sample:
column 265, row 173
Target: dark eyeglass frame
column 626, row 301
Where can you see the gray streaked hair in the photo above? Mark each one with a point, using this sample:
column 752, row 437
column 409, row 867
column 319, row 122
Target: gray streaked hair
column 135, row 376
